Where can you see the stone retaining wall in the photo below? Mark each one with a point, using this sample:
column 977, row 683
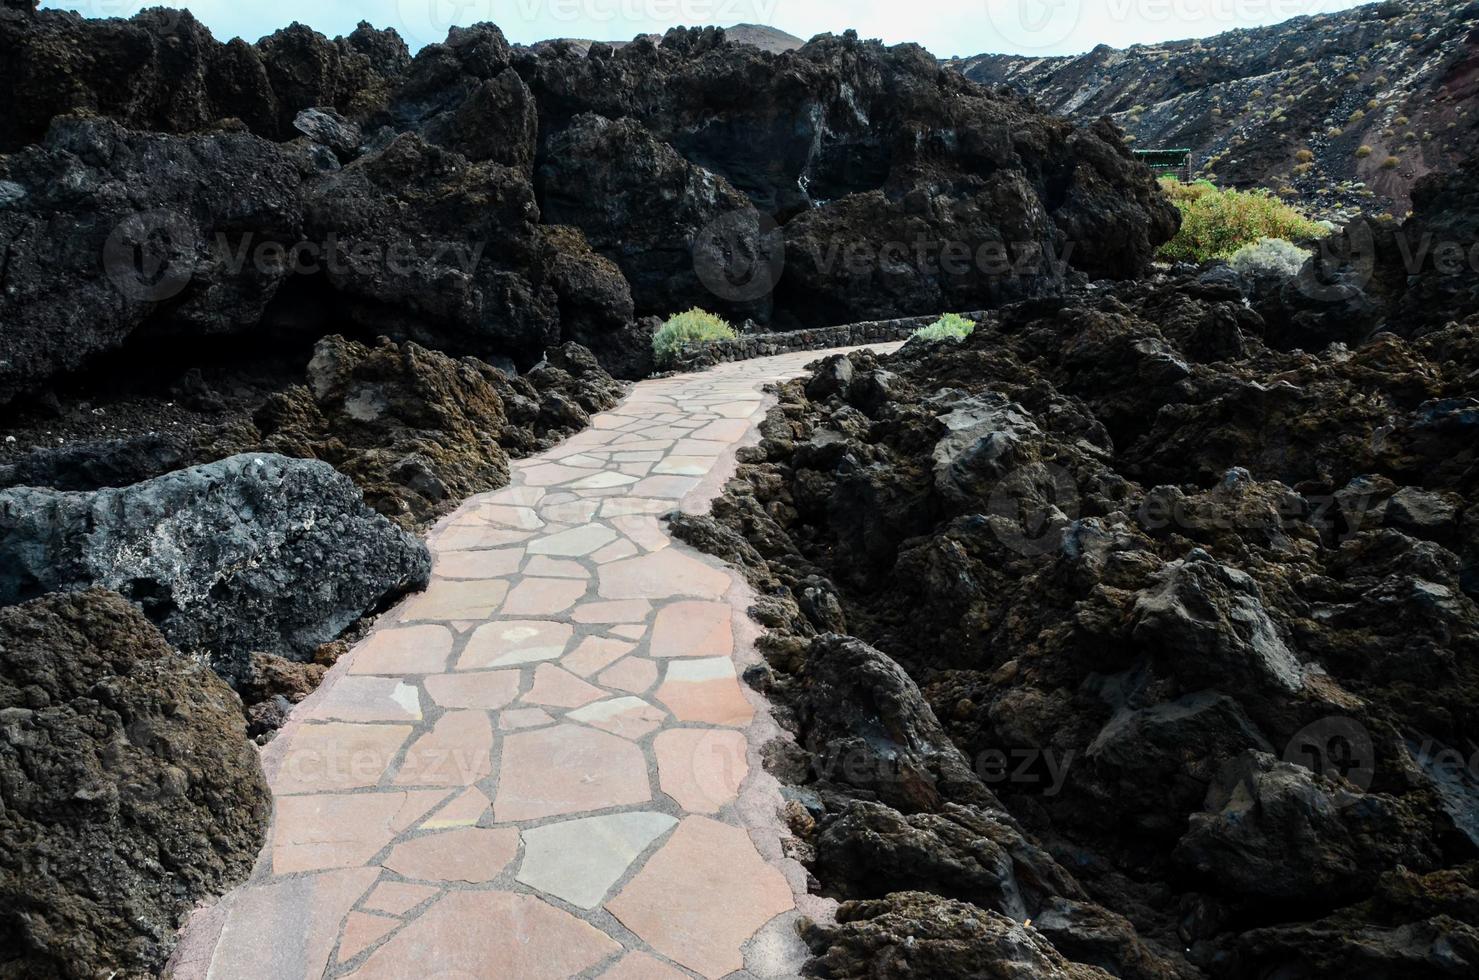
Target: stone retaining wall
column 696, row 357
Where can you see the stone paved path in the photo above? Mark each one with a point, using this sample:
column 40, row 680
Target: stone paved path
column 545, row 765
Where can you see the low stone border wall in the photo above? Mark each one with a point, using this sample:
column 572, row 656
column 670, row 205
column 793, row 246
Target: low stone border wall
column 696, row 357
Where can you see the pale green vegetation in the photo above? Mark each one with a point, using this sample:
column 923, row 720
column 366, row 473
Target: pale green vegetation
column 1215, row 223
column 951, row 325
column 693, row 326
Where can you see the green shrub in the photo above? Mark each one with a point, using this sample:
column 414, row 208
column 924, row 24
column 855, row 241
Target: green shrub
column 691, row 327
column 1269, row 256
column 1390, row 163
column 1363, row 152
column 1305, row 156
column 1216, row 223
column 951, row 325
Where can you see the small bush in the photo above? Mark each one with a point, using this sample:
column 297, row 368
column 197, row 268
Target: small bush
column 1267, row 257
column 1356, row 116
column 1363, row 152
column 1401, row 121
column 1390, row 163
column 1216, row 223
column 1303, row 168
column 691, row 327
column 1305, row 156
column 951, row 325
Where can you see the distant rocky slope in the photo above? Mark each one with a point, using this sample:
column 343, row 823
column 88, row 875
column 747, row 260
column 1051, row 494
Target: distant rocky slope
column 1380, row 95
column 761, row 36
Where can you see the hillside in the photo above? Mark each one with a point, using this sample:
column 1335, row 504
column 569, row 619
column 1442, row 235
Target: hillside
column 1378, row 95
column 770, row 39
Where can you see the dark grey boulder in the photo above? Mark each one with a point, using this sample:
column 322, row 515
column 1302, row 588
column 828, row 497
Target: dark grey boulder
column 251, row 553
column 328, row 128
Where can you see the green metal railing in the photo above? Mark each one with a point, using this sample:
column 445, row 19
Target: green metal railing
column 1167, row 163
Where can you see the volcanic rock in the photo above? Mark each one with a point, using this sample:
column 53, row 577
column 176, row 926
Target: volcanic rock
column 253, row 553
column 130, row 791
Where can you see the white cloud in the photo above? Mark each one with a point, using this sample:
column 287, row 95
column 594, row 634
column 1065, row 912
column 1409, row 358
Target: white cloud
column 946, row 27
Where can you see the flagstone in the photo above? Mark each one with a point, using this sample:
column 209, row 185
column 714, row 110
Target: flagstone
column 308, row 908
column 701, row 769
column 465, row 810
column 725, row 430
column 456, row 599
column 702, row 895
column 542, row 596
column 700, row 447
column 624, row 611
column 516, row 718
column 361, row 931
column 310, row 833
column 630, row 506
column 614, row 551
column 514, row 642
column 705, row 691
column 575, row 542
column 365, row 699
column 482, row 689
column 329, row 756
column 629, row 631
column 579, row 860
column 629, row 717
column 693, row 629
column 470, row 854
column 492, row 934
column 522, row 518
column 643, row 530
column 478, row 564
column 556, row 568
column 477, row 537
column 458, row 751
column 595, row 652
column 558, row 688
column 634, row 675
column 398, row 897
column 604, row 480
column 685, row 466
column 577, row 510
column 403, row 650
column 567, row 769
column 665, row 486
column 549, row 474
column 642, row 966
column 662, row 574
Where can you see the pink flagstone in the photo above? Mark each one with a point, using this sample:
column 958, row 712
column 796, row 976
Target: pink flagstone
column 633, row 675
column 567, row 769
column 469, row 854
column 361, row 930
column 458, row 751
column 700, row 768
column 476, row 689
column 662, row 574
column 702, row 895
column 326, row 830
column 404, row 650
column 398, row 897
column 493, row 935
column 693, row 629
column 593, row 653
column 336, row 756
column 558, row 688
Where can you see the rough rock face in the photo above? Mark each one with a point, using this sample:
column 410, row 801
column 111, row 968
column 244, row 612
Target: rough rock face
column 1398, row 78
column 112, row 234
column 130, row 791
column 255, row 552
column 417, row 431
column 647, row 214
column 1113, row 617
column 302, row 186
column 162, row 70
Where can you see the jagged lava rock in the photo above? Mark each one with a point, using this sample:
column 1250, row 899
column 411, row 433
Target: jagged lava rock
column 253, row 553
column 131, row 793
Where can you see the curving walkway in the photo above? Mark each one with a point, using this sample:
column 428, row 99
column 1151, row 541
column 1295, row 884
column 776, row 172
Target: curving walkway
column 545, row 765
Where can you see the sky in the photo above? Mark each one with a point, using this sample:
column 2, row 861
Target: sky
column 945, row 27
